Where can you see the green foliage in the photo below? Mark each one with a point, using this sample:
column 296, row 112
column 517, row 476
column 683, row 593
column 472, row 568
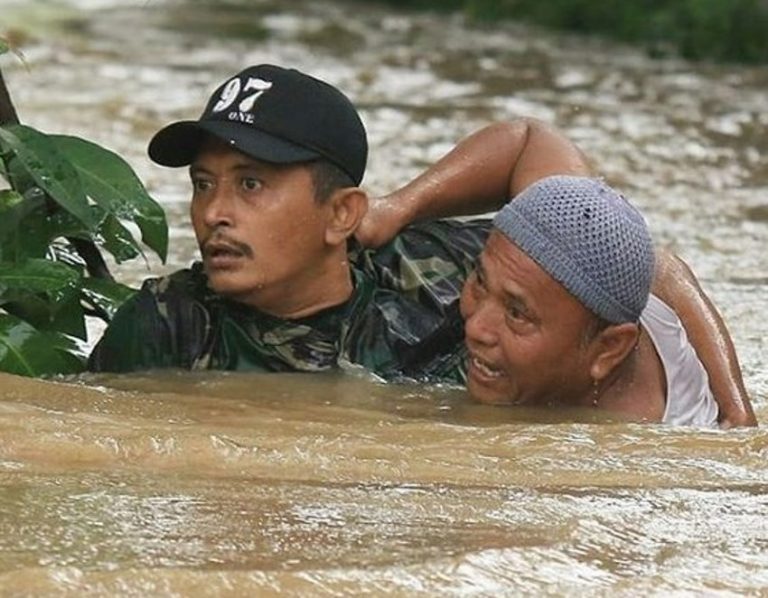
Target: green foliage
column 26, row 351
column 723, row 30
column 63, row 192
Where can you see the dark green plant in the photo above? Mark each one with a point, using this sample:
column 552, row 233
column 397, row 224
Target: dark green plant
column 719, row 30
column 65, row 198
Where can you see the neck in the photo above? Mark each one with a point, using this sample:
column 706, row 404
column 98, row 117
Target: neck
column 326, row 284
column 637, row 387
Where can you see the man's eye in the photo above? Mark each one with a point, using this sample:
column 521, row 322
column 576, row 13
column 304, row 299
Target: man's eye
column 251, row 184
column 201, row 184
column 514, row 312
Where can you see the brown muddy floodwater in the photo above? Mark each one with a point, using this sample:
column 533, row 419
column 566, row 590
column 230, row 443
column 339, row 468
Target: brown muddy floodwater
column 223, row 484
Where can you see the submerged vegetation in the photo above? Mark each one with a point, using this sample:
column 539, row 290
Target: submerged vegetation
column 720, row 30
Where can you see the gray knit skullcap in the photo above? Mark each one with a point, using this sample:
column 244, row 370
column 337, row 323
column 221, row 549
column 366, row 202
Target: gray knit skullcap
column 589, row 238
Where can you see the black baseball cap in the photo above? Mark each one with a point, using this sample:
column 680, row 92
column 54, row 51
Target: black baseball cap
column 273, row 114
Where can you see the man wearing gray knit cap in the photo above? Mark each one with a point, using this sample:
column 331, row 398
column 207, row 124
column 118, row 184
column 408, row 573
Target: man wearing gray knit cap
column 559, row 311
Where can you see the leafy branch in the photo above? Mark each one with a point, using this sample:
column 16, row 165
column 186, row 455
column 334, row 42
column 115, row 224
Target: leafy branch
column 67, row 200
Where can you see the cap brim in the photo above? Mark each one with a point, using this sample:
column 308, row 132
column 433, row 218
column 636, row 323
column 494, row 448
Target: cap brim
column 178, row 143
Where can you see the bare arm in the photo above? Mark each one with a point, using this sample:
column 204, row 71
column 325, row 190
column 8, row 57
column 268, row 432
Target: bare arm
column 676, row 284
column 479, row 175
column 491, row 166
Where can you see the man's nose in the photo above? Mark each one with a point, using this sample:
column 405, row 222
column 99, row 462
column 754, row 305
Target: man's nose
column 218, row 211
column 483, row 324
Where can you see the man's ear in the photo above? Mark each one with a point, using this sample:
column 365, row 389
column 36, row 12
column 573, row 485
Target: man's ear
column 347, row 208
column 611, row 347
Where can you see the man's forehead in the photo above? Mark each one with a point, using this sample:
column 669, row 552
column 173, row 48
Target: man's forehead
column 507, row 252
column 515, row 270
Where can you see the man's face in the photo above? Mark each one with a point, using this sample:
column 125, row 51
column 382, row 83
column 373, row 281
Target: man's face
column 259, row 228
column 525, row 333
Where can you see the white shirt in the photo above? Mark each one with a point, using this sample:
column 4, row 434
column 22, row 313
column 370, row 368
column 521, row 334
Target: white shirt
column 689, row 400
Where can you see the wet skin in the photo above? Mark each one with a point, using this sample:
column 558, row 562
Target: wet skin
column 525, row 333
column 260, row 231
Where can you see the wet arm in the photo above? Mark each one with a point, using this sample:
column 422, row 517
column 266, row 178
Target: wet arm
column 479, row 175
column 677, row 285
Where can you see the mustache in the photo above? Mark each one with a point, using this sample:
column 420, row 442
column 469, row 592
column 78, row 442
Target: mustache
column 221, row 242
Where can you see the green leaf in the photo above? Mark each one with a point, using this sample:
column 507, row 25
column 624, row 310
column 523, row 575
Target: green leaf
column 4, row 47
column 45, row 294
column 28, row 230
column 60, row 314
column 25, row 230
column 50, row 170
column 13, row 208
column 29, row 352
column 34, row 309
column 111, row 182
column 68, row 316
column 36, row 276
column 19, row 176
column 118, row 240
column 9, row 198
column 107, row 295
column 72, row 352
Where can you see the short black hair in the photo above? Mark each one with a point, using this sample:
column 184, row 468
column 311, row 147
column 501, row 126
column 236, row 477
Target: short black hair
column 327, row 178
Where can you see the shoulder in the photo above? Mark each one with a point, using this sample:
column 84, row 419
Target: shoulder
column 164, row 324
column 166, row 296
column 189, row 282
column 426, row 253
column 689, row 399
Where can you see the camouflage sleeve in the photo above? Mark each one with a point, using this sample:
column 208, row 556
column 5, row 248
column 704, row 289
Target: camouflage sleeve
column 411, row 326
column 162, row 326
column 429, row 261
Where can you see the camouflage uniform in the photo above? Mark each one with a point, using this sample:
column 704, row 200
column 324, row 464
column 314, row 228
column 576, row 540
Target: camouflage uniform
column 402, row 320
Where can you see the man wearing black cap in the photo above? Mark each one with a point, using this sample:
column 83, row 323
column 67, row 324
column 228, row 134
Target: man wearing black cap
column 275, row 161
